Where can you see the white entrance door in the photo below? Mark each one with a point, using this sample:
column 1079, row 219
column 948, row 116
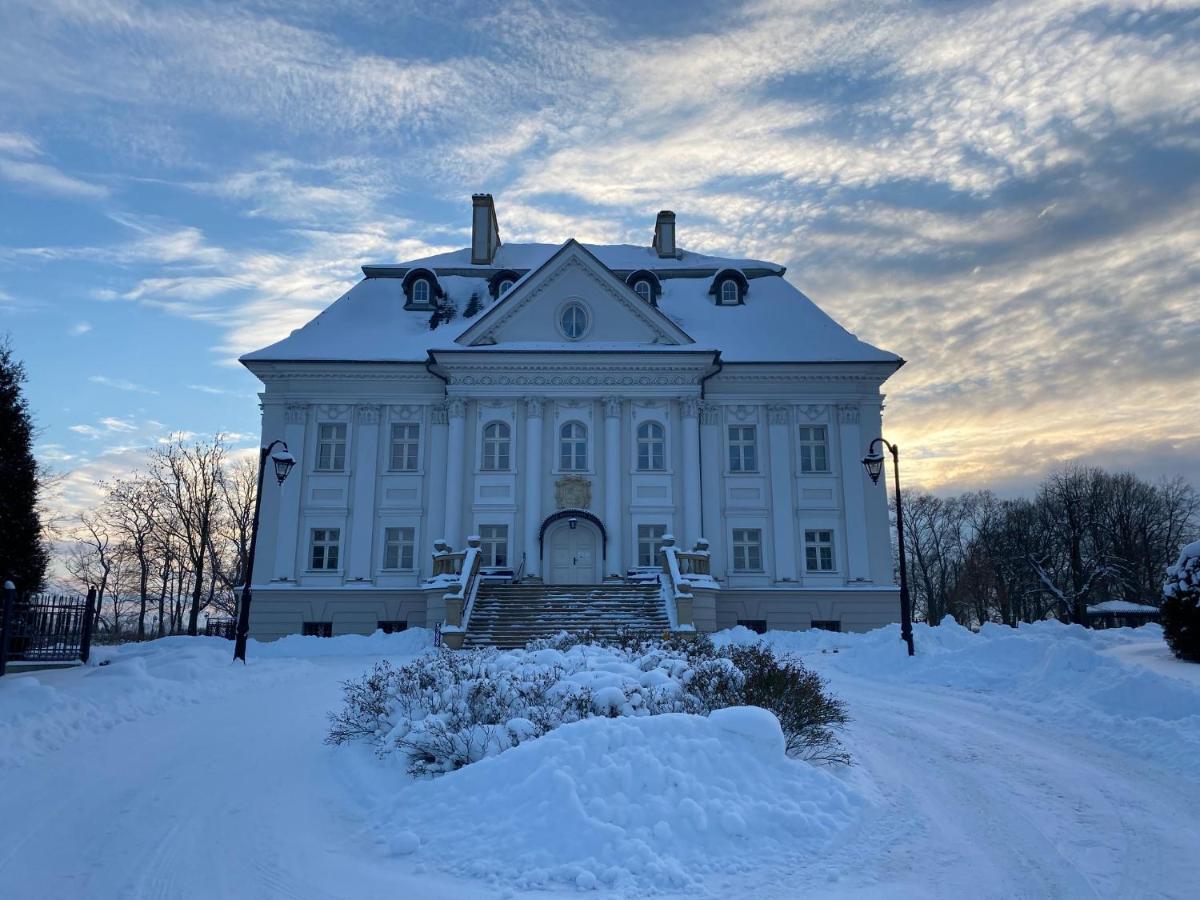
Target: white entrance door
column 574, row 554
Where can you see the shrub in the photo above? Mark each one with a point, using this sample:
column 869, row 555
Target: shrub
column 1181, row 609
column 448, row 709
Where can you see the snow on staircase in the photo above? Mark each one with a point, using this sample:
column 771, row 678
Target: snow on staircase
column 509, row 615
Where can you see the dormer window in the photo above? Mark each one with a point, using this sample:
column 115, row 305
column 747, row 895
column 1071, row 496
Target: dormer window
column 729, row 292
column 420, row 292
column 501, row 282
column 729, row 288
column 646, row 285
column 504, row 286
column 642, row 289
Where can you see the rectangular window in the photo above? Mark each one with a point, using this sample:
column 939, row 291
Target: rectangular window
column 649, row 539
column 831, row 625
column 405, row 444
column 392, row 626
column 758, row 626
column 317, row 629
column 323, row 554
column 331, row 447
column 743, row 448
column 493, row 543
column 814, row 448
column 399, row 548
column 818, row 551
column 747, row 550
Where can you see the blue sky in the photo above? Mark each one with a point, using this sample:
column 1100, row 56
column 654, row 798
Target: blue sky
column 1003, row 193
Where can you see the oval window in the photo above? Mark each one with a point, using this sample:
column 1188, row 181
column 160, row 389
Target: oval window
column 573, row 321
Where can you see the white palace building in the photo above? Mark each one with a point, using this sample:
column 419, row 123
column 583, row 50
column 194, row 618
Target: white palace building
column 509, row 435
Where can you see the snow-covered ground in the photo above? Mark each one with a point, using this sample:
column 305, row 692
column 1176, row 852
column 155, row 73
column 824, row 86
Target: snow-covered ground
column 1050, row 761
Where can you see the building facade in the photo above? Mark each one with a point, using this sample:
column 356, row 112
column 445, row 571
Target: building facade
column 572, row 405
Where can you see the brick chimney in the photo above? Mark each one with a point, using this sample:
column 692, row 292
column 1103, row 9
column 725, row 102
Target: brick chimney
column 664, row 233
column 485, row 233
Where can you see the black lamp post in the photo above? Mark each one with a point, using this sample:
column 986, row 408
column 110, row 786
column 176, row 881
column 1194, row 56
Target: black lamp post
column 873, row 463
column 283, row 461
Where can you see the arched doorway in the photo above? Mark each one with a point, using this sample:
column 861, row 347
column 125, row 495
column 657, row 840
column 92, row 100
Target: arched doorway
column 572, row 548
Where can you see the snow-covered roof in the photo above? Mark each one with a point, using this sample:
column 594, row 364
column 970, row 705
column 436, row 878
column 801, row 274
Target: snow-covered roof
column 1120, row 606
column 777, row 323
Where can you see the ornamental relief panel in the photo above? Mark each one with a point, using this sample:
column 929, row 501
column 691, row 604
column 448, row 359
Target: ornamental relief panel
column 334, row 412
column 573, row 492
column 406, row 413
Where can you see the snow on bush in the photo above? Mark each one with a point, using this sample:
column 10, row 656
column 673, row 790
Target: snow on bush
column 446, row 710
column 636, row 804
column 1181, row 609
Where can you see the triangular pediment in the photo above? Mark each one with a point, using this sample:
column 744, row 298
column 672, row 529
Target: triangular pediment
column 533, row 309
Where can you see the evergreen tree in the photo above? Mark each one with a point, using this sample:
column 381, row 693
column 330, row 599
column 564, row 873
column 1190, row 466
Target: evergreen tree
column 22, row 553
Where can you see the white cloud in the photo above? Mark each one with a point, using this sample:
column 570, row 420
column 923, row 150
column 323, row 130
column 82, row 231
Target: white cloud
column 47, row 179
column 121, row 384
column 80, row 328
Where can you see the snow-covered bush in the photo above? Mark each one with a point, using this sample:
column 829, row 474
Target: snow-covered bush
column 448, row 709
column 1181, row 609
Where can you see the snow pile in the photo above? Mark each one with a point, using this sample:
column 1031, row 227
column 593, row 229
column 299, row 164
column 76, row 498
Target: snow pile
column 651, row 803
column 1063, row 675
column 44, row 710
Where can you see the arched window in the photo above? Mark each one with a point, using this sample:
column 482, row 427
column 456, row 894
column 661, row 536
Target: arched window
column 642, row 289
column 497, row 447
column 572, row 447
column 420, row 292
column 651, row 447
column 503, row 287
column 729, row 292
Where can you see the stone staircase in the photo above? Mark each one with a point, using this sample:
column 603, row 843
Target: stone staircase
column 509, row 615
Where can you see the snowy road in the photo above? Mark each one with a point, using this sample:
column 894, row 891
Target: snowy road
column 230, row 792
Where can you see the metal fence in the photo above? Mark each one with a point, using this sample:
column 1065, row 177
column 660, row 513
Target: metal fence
column 222, row 628
column 45, row 628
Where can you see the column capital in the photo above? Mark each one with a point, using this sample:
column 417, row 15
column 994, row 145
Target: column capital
column 295, row 413
column 438, row 412
column 456, row 408
column 690, row 407
column 848, row 413
column 710, row 414
column 612, row 407
column 534, row 406
column 779, row 414
column 368, row 415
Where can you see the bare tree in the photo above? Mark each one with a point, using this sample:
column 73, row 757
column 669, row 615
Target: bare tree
column 132, row 511
column 190, row 483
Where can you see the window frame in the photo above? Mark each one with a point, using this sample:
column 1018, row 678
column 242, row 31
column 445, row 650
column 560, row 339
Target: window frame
column 649, row 441
column 412, row 444
column 813, row 547
column 573, row 306
column 745, row 544
column 504, row 287
column 401, row 544
column 489, row 460
column 644, row 283
column 653, row 541
column 807, row 447
column 569, row 460
column 737, row 449
column 324, row 543
column 417, row 284
column 335, row 443
column 493, row 535
column 723, row 294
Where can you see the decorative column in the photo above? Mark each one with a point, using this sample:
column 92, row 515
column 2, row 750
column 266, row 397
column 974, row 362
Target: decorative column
column 533, row 485
column 690, row 407
column 295, row 418
column 435, row 492
column 362, row 508
column 783, row 522
column 613, row 486
column 456, row 409
column 710, row 484
column 854, row 503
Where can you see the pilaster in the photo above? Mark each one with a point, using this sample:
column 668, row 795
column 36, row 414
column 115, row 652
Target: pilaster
column 456, row 450
column 781, row 488
column 533, row 475
column 613, row 518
